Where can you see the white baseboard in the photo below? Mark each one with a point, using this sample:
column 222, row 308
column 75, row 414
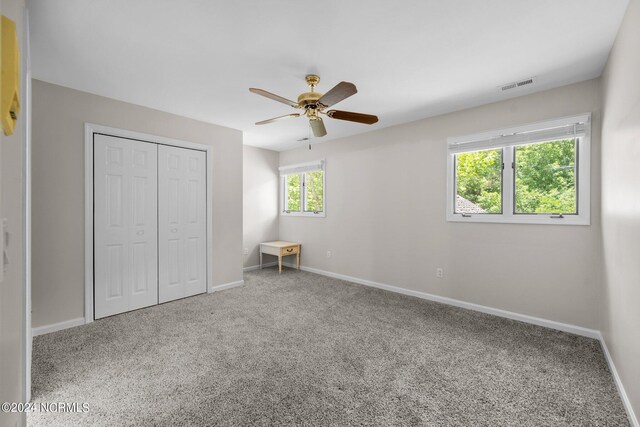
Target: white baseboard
column 633, row 420
column 226, row 286
column 46, row 329
column 572, row 329
column 41, row 330
column 257, row 267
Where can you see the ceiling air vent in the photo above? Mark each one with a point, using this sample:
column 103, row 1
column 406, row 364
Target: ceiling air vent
column 516, row 85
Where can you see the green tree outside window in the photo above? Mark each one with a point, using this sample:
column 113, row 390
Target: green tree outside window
column 292, row 183
column 545, row 178
column 315, row 191
column 479, row 179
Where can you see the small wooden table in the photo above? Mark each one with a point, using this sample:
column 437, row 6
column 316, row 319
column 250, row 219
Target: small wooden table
column 280, row 249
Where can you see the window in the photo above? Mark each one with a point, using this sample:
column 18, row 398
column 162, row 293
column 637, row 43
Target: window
column 536, row 174
column 545, row 178
column 479, row 180
column 313, row 191
column 303, row 189
column 292, row 184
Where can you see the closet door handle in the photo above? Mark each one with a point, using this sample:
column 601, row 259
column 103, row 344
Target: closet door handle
column 174, row 230
column 140, row 233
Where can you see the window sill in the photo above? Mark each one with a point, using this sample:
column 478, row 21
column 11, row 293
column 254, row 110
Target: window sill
column 521, row 219
column 305, row 214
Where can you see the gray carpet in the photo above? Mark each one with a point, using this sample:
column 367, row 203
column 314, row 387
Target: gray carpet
column 303, row 349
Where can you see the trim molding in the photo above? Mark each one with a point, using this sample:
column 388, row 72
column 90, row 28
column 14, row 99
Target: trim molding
column 225, row 286
column 633, row 420
column 27, row 203
column 46, row 329
column 257, row 267
column 565, row 327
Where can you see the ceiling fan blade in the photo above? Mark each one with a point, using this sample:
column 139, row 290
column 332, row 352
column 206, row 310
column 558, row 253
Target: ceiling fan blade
column 274, row 97
column 275, row 119
column 317, row 126
column 341, row 91
column 352, row 117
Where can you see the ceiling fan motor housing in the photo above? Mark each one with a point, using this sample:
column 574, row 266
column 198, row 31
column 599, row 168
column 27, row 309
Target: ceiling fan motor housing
column 309, row 99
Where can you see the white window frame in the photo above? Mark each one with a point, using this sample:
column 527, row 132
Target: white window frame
column 509, row 138
column 302, row 169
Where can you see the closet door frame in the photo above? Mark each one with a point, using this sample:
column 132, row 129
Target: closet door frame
column 89, row 130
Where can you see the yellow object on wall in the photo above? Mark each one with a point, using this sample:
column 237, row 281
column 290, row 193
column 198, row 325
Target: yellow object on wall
column 10, row 66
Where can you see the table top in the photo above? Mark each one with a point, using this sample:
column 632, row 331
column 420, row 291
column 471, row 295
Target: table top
column 279, row 244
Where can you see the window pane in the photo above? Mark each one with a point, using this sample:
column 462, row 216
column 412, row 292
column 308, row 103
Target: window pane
column 479, row 182
column 314, row 190
column 292, row 191
column 546, row 178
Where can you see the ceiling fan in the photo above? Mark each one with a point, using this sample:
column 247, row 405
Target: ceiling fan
column 315, row 103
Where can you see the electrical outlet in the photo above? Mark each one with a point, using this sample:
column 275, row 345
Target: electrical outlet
column 328, row 254
column 439, row 272
column 246, row 251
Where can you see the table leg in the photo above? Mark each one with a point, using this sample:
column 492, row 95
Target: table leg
column 260, row 260
column 279, row 263
column 298, row 260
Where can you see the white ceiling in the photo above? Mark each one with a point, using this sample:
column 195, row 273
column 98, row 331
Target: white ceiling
column 409, row 59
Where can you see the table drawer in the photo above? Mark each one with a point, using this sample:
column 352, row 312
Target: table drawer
column 291, row 250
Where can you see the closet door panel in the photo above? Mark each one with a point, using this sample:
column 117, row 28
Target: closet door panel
column 125, row 225
column 182, row 226
column 195, row 222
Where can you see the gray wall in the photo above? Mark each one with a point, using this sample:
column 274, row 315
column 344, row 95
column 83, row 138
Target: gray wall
column 260, row 200
column 621, row 204
column 59, row 115
column 386, row 217
column 12, row 298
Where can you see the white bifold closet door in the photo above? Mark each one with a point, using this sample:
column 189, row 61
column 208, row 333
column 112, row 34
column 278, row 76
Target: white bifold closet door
column 125, row 225
column 182, row 228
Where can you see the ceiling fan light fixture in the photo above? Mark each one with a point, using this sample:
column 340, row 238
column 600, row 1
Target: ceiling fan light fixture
column 314, row 103
column 317, row 126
